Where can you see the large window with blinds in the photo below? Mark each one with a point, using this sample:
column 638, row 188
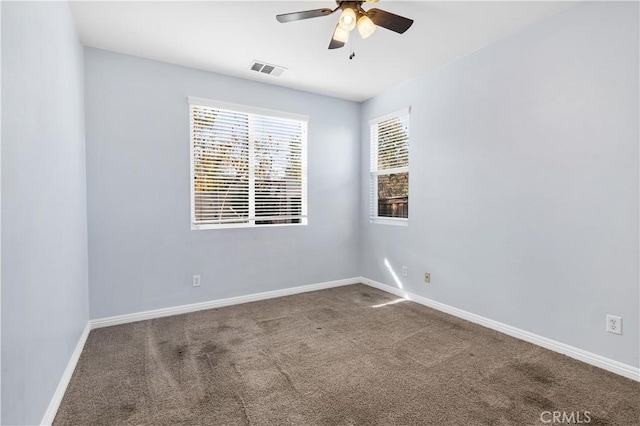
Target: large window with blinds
column 390, row 168
column 248, row 166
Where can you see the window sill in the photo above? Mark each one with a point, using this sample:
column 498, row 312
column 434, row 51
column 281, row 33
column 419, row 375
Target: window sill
column 389, row 221
column 195, row 227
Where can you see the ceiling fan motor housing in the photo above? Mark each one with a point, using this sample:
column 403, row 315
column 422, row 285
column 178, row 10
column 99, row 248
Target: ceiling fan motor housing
column 355, row 5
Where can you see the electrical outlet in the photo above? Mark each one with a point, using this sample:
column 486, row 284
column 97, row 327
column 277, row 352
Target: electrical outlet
column 405, row 271
column 614, row 324
column 196, row 280
column 427, row 277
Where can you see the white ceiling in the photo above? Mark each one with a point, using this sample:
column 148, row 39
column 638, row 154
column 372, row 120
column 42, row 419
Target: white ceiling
column 225, row 36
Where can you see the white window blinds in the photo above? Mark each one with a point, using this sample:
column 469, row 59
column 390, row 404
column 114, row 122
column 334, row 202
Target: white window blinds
column 390, row 167
column 392, row 143
column 248, row 166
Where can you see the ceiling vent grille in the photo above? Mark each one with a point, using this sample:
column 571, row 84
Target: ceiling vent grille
column 259, row 66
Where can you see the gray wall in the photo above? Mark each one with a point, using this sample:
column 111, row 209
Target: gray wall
column 524, row 181
column 142, row 250
column 0, row 213
column 44, row 237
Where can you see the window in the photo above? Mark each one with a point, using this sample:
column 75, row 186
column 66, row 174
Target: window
column 390, row 168
column 248, row 166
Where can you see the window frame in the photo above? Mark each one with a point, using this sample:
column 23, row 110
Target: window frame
column 374, row 172
column 249, row 110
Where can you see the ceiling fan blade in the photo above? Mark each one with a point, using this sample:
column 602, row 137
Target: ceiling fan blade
column 339, row 38
column 296, row 16
column 390, row 21
column 335, row 44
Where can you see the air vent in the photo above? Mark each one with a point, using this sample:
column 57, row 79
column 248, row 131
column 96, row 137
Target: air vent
column 268, row 69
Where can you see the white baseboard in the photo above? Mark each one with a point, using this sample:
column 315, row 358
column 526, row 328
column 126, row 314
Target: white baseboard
column 183, row 309
column 52, row 409
column 573, row 352
column 608, row 364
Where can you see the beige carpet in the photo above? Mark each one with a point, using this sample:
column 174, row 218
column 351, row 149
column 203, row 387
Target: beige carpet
column 344, row 356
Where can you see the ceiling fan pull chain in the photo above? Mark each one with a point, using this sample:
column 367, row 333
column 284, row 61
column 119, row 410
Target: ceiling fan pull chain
column 353, row 54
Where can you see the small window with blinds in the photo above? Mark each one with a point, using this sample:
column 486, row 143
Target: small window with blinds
column 389, row 176
column 248, row 166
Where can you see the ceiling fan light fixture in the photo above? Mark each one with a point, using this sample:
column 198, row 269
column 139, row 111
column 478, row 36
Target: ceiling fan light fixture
column 340, row 34
column 366, row 27
column 347, row 18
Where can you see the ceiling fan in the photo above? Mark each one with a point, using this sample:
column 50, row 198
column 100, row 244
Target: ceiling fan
column 352, row 16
